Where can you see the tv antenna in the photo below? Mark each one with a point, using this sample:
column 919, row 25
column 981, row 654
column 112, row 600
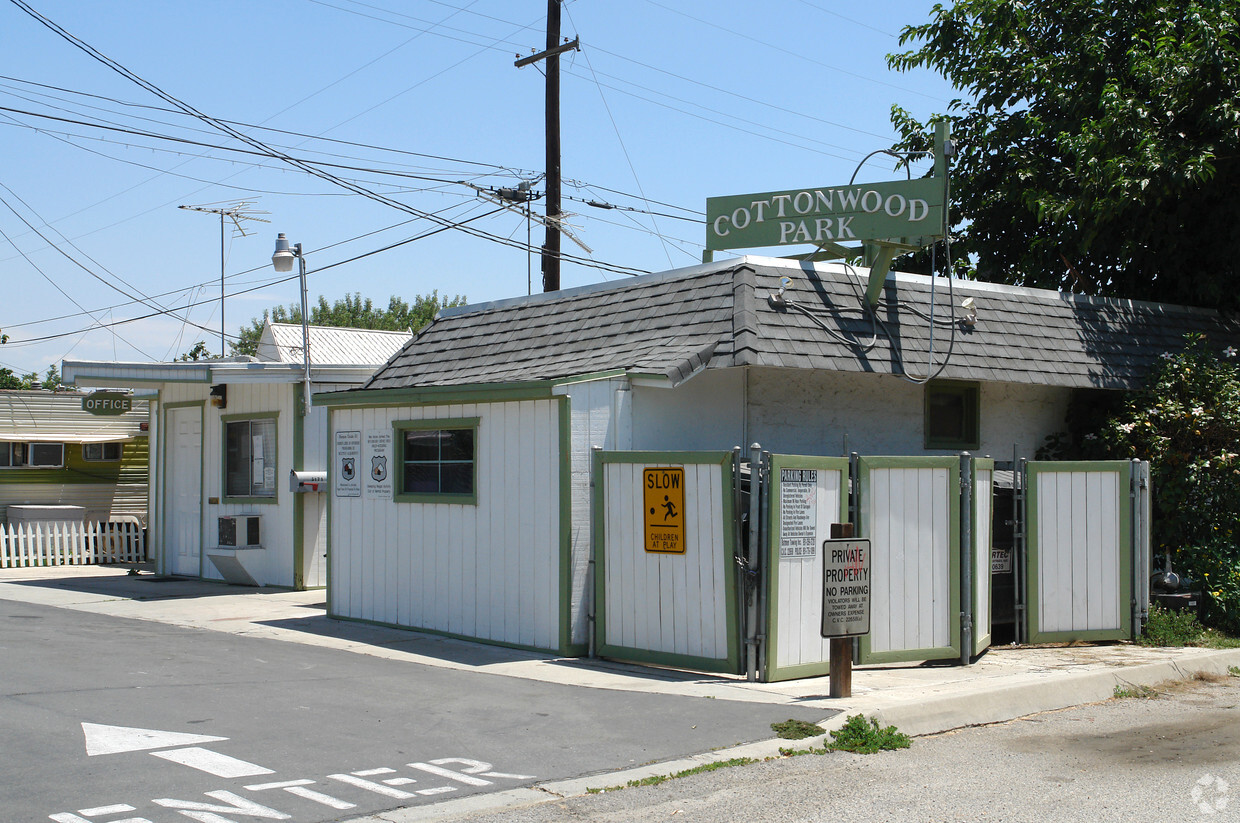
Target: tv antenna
column 237, row 212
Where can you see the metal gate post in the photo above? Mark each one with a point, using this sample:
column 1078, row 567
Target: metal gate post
column 966, row 558
column 1020, row 480
column 751, row 563
column 1138, row 484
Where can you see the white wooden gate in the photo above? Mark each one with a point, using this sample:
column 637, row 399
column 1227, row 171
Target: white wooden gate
column 672, row 609
column 806, row 495
column 909, row 508
column 1081, row 546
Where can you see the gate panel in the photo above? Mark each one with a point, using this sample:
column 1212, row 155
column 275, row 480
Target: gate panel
column 983, row 512
column 909, row 508
column 1079, row 551
column 793, row 560
column 672, row 609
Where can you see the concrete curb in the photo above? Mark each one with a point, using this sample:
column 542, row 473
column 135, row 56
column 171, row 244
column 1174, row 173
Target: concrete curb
column 915, row 718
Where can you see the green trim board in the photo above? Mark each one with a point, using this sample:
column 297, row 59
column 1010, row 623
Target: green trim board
column 1123, row 469
column 439, row 633
column 952, row 464
column 731, row 663
column 981, row 640
column 771, row 565
column 225, row 419
column 398, row 459
column 435, row 395
column 162, row 563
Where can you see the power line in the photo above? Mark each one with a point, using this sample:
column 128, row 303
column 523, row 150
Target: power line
column 308, row 168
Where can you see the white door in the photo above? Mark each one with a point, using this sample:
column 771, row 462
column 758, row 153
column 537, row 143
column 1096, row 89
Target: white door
column 183, row 506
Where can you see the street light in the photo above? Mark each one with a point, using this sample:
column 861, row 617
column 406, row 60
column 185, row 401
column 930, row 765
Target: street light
column 282, row 260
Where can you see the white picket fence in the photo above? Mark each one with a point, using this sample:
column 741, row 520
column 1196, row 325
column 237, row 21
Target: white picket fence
column 51, row 543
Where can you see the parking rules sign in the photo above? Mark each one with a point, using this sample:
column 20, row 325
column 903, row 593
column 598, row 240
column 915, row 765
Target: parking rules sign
column 663, row 509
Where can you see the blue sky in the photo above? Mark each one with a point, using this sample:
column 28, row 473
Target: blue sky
column 667, row 103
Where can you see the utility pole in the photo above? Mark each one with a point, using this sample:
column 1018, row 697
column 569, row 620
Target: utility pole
column 551, row 248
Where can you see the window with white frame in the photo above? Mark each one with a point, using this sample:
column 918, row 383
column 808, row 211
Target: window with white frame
column 250, row 458
column 32, row 455
column 100, row 452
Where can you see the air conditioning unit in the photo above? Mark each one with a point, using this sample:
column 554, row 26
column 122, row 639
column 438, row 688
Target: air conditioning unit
column 241, row 531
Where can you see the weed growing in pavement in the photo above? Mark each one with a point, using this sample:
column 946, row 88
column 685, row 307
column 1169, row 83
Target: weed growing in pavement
column 796, row 729
column 1234, row 671
column 1135, row 691
column 656, row 779
column 858, row 735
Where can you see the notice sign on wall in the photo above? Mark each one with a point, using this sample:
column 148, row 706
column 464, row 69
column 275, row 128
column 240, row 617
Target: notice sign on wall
column 663, row 511
column 348, row 480
column 798, row 512
column 378, row 463
column 845, row 588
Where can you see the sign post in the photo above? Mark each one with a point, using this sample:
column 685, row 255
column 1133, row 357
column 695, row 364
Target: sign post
column 845, row 602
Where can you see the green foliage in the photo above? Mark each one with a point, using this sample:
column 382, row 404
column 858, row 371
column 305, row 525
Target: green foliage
column 866, row 737
column 8, row 380
column 1186, row 422
column 1167, row 627
column 199, row 351
column 1098, row 147
column 796, row 729
column 1142, row 691
column 352, row 311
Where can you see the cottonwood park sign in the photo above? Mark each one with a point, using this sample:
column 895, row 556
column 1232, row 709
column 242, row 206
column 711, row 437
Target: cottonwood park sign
column 885, row 218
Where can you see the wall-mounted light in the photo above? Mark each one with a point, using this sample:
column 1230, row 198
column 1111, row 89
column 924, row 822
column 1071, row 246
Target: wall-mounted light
column 219, row 396
column 970, row 312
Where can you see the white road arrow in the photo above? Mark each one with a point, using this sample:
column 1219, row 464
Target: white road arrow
column 102, row 739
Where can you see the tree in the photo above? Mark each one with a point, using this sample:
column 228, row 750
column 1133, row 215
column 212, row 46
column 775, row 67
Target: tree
column 8, row 380
column 1186, row 422
column 354, row 312
column 198, row 351
column 1099, row 143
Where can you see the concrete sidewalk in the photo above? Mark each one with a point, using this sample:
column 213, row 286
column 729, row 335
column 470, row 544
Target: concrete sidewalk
column 1005, row 683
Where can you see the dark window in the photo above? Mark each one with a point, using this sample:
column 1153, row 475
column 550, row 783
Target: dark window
column 101, row 451
column 250, row 458
column 438, row 461
column 952, row 415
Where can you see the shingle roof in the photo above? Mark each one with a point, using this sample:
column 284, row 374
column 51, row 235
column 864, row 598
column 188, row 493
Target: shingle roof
column 331, row 345
column 720, row 315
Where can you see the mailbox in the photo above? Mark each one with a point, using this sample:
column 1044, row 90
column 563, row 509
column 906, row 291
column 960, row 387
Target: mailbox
column 307, row 481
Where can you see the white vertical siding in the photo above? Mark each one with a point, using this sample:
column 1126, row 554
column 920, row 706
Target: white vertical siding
column 599, row 417
column 489, row 570
column 982, row 490
column 908, row 512
column 799, row 593
column 669, row 603
column 1078, row 546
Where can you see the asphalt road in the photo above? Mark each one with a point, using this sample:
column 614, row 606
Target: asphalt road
column 1175, row 757
column 194, row 724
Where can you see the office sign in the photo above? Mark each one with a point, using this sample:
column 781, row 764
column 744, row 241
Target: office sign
column 107, row 404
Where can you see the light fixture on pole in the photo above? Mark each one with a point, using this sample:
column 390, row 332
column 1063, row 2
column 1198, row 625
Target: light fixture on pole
column 282, row 261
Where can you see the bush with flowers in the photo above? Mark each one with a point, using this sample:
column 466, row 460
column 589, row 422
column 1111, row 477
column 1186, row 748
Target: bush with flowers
column 1186, row 422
